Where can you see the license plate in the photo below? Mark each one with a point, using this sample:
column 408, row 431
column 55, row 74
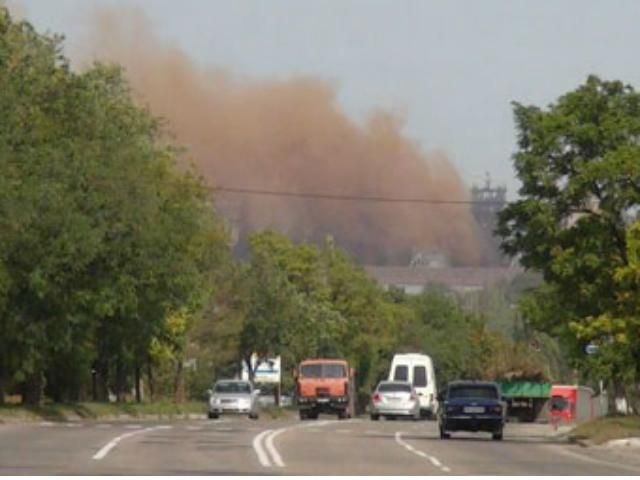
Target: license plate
column 473, row 409
column 228, row 400
column 323, row 400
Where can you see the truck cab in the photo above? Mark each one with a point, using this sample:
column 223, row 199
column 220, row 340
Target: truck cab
column 325, row 386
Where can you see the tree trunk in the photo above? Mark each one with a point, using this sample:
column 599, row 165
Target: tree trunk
column 137, row 380
column 102, row 381
column 2, row 384
column 611, row 398
column 32, row 389
column 178, row 384
column 150, row 381
column 119, row 381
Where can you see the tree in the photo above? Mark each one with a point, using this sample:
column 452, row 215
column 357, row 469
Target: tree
column 578, row 164
column 102, row 237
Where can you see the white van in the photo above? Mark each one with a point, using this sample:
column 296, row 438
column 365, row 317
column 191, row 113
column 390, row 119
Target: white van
column 417, row 368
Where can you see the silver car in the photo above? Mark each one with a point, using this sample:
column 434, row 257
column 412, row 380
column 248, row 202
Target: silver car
column 394, row 399
column 235, row 397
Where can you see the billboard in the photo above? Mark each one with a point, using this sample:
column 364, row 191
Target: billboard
column 267, row 371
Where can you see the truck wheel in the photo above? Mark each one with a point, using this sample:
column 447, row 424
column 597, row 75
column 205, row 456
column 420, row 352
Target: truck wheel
column 343, row 415
column 303, row 415
column 497, row 435
column 375, row 417
column 212, row 416
column 314, row 415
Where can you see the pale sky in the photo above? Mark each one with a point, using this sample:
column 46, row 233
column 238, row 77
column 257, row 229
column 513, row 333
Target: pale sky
column 452, row 67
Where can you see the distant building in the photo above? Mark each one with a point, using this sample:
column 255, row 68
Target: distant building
column 487, row 202
column 413, row 280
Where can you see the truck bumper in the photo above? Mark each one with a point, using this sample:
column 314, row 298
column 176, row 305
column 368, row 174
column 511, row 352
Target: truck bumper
column 326, row 405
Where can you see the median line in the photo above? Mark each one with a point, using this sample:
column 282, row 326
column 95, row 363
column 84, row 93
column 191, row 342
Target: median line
column 104, row 451
column 268, row 456
column 436, row 463
column 257, row 446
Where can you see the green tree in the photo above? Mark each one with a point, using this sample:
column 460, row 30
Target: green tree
column 102, row 236
column 578, row 164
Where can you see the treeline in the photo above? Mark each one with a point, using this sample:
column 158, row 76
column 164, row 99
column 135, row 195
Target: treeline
column 102, row 239
column 306, row 301
column 115, row 271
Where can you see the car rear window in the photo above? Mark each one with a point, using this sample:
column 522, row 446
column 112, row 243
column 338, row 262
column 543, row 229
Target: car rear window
column 401, row 373
column 473, row 391
column 232, row 387
column 394, row 387
column 323, row 370
column 419, row 376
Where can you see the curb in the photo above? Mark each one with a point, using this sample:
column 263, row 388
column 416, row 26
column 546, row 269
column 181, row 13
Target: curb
column 9, row 420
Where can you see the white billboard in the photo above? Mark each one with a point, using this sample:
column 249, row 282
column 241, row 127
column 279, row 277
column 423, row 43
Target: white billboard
column 267, row 371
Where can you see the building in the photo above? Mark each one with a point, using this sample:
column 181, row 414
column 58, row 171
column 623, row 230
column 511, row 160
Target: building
column 413, row 280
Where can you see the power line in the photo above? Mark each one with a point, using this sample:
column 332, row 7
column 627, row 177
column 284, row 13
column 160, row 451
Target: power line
column 357, row 198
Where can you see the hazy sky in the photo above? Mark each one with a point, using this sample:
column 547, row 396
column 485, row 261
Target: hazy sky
column 451, row 67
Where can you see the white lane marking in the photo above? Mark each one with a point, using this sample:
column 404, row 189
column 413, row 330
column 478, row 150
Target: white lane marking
column 193, row 428
column 413, row 450
column 277, row 459
column 270, row 447
column 132, row 427
column 224, row 429
column 72, row 425
column 262, row 456
column 104, row 451
column 46, row 424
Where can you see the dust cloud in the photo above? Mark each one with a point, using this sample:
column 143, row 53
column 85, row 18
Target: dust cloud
column 291, row 135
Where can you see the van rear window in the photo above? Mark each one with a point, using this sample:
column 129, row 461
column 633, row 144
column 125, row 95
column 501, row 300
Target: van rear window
column 401, row 373
column 394, row 387
column 419, row 376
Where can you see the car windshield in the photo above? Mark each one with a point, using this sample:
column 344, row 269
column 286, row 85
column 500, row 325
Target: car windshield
column 473, row 391
column 323, row 370
column 232, row 387
column 394, row 387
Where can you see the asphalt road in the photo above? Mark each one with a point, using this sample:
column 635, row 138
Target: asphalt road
column 324, row 447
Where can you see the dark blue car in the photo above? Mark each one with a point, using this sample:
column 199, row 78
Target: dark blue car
column 471, row 406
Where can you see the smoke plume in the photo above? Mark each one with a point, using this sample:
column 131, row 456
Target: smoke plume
column 292, row 136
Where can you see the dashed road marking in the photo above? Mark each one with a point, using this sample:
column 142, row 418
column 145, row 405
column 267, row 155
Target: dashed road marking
column 412, row 449
column 104, row 451
column 46, row 424
column 132, row 427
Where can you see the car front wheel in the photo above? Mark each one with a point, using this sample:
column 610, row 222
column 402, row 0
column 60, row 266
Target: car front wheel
column 497, row 435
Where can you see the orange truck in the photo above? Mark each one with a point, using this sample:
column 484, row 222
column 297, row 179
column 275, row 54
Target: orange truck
column 325, row 386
